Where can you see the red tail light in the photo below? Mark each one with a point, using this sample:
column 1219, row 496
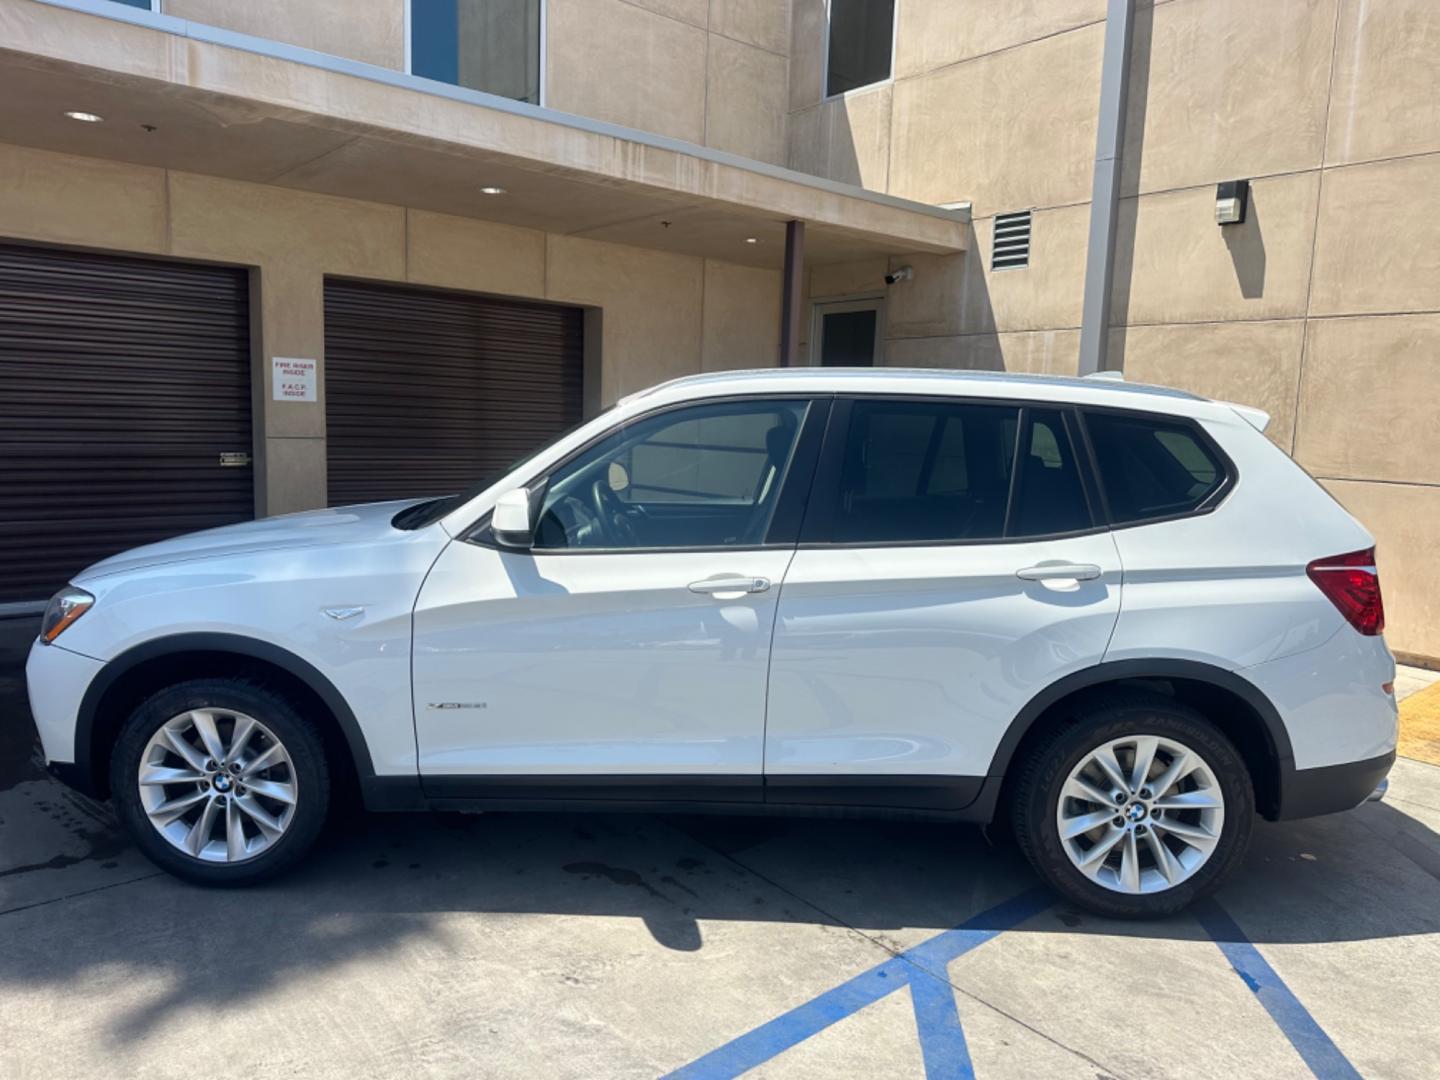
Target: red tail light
column 1352, row 584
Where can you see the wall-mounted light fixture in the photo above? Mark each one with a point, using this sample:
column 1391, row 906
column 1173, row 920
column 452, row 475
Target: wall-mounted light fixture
column 1232, row 197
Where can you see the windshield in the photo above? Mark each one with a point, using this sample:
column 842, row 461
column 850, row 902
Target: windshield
column 427, row 513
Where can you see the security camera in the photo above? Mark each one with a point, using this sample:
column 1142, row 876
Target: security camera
column 904, row 273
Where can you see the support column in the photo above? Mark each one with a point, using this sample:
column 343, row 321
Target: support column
column 1105, row 193
column 288, row 319
column 791, row 286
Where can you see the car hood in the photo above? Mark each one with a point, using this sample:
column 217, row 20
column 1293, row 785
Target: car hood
column 313, row 528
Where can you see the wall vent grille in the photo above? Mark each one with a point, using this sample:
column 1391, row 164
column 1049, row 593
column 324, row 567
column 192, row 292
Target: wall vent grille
column 1011, row 247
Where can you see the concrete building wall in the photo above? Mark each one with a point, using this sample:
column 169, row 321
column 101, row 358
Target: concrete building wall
column 1323, row 308
column 714, row 72
column 659, row 314
column 372, row 31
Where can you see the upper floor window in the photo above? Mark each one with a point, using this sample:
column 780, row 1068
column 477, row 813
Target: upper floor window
column 143, row 5
column 489, row 45
column 861, row 44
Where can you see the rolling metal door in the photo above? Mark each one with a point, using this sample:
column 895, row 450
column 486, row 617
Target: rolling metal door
column 123, row 381
column 428, row 392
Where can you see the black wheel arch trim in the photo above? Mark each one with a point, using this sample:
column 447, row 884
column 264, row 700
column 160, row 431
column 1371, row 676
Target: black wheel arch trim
column 1122, row 670
column 82, row 774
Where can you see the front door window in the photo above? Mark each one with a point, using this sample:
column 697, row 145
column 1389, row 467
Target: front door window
column 702, row 476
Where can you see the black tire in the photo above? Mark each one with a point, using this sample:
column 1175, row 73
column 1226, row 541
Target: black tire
column 300, row 740
column 1037, row 793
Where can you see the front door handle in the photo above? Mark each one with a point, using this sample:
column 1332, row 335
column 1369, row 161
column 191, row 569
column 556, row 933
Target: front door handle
column 1053, row 571
column 730, row 583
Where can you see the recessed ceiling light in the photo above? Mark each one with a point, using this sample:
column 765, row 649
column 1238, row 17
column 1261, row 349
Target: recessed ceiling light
column 752, row 239
column 492, row 190
column 85, row 117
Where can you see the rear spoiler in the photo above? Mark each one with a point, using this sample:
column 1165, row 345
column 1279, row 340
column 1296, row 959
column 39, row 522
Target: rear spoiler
column 1259, row 419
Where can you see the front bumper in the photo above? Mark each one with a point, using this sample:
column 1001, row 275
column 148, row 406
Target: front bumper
column 1331, row 788
column 57, row 680
column 74, row 776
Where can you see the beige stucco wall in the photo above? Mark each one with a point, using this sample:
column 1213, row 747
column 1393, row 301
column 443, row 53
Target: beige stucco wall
column 661, row 314
column 1323, row 308
column 372, row 31
column 714, row 72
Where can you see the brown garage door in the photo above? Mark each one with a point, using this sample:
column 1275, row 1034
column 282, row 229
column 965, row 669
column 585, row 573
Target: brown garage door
column 429, row 392
column 122, row 382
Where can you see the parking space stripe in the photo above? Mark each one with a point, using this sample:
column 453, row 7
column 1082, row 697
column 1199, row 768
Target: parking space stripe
column 1295, row 1022
column 774, row 1038
column 937, row 1022
column 922, row 968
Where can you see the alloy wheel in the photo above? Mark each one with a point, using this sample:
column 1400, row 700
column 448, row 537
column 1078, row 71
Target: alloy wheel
column 217, row 785
column 1140, row 814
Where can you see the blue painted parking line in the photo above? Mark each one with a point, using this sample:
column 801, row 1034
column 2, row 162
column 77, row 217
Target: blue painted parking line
column 1294, row 1020
column 937, row 1023
column 937, row 1020
column 922, row 968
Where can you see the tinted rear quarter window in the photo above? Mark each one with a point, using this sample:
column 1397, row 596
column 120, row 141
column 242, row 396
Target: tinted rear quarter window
column 1152, row 468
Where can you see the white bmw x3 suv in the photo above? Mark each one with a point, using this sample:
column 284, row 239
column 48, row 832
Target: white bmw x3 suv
column 1118, row 616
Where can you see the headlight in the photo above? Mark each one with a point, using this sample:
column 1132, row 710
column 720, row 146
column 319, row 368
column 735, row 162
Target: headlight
column 65, row 607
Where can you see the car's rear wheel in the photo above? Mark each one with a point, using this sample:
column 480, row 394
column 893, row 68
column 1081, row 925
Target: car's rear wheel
column 221, row 781
column 1135, row 808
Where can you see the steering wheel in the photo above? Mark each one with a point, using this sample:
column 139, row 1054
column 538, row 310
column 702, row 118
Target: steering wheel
column 576, row 520
column 615, row 522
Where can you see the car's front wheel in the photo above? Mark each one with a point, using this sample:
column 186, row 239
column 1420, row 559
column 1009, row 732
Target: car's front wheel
column 220, row 781
column 1136, row 808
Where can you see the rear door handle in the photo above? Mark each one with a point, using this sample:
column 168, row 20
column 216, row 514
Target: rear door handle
column 1056, row 571
column 730, row 583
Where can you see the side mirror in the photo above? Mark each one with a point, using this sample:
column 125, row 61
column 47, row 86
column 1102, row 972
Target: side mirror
column 510, row 520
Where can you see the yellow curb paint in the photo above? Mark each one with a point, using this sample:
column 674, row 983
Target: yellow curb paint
column 1420, row 725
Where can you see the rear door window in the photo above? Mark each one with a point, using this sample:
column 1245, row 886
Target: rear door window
column 922, row 470
column 918, row 471
column 1152, row 468
column 1049, row 496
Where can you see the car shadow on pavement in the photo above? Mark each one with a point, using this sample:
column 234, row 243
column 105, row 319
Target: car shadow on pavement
column 85, row 914
column 390, row 888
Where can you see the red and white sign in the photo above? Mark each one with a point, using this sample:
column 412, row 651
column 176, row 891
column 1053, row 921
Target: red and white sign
column 292, row 378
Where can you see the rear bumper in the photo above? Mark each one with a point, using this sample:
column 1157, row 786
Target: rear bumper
column 1332, row 701
column 1330, row 788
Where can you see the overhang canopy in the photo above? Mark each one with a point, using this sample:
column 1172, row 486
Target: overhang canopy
column 181, row 95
